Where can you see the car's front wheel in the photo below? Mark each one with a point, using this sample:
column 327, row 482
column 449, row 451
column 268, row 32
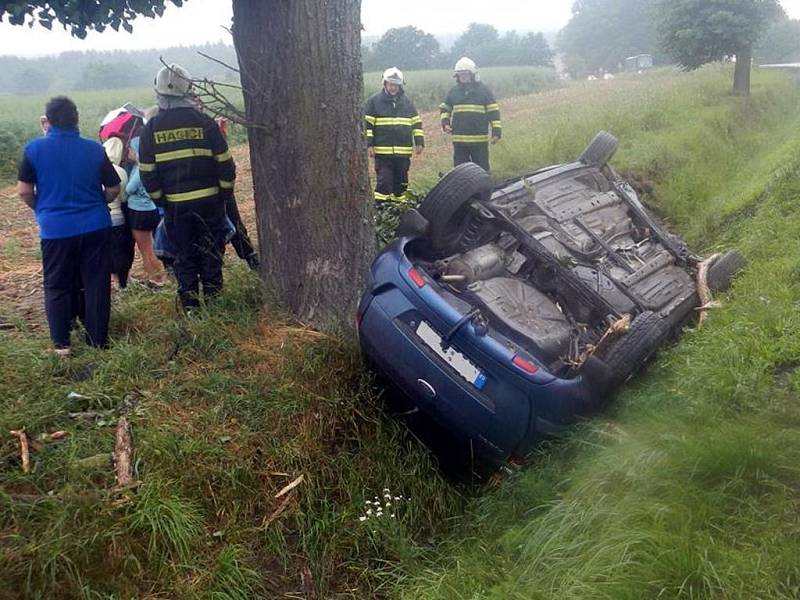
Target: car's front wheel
column 446, row 207
column 723, row 270
column 628, row 352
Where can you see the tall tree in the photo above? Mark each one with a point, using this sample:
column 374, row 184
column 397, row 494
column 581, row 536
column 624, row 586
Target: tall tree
column 301, row 76
column 479, row 42
column 696, row 32
column 533, row 49
column 405, row 47
column 602, row 33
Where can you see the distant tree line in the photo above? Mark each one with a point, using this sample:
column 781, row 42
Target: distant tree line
column 412, row 49
column 602, row 33
column 92, row 70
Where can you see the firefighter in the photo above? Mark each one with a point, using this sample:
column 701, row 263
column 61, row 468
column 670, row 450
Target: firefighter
column 394, row 133
column 468, row 112
column 187, row 169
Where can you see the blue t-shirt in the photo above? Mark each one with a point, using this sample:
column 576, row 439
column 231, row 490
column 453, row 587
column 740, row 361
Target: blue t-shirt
column 69, row 173
column 138, row 198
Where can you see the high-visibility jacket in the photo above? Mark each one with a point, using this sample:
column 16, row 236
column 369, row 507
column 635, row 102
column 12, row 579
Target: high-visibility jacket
column 470, row 109
column 394, row 126
column 183, row 157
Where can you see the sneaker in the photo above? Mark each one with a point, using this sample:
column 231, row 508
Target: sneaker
column 62, row 352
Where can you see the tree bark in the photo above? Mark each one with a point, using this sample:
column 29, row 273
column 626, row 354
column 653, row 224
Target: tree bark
column 741, row 75
column 300, row 63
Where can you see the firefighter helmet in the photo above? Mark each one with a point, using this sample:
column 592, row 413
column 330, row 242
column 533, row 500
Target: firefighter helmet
column 173, row 80
column 466, row 64
column 393, row 75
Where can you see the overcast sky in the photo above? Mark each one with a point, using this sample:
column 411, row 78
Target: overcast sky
column 200, row 21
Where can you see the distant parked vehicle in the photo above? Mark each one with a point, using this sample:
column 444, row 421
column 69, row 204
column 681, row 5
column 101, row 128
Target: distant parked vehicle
column 640, row 62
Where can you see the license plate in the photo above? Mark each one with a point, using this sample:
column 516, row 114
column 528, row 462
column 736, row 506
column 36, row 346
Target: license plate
column 451, row 356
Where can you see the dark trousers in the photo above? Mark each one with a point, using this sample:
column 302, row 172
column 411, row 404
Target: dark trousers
column 477, row 153
column 68, row 264
column 392, row 178
column 196, row 231
column 240, row 240
column 122, row 253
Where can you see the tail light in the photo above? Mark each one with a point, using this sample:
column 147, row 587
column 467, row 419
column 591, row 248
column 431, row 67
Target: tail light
column 523, row 364
column 416, row 277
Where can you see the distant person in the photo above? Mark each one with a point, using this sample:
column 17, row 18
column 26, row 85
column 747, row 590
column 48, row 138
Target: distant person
column 44, row 124
column 394, row 134
column 186, row 166
column 468, row 113
column 121, row 240
column 143, row 218
column 68, row 181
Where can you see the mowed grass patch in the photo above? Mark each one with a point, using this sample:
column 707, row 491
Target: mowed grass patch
column 226, row 410
column 687, row 487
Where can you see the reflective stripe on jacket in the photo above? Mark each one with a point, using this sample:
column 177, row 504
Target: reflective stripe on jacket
column 471, row 109
column 184, row 157
column 393, row 125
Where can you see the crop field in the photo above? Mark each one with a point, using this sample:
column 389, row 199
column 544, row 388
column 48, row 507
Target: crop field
column 260, row 443
column 19, row 115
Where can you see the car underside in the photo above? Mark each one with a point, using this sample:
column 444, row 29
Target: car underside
column 506, row 312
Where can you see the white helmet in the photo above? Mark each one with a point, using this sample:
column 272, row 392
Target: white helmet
column 466, row 64
column 173, row 80
column 393, row 75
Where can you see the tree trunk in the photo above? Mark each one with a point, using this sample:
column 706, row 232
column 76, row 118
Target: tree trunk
column 741, row 75
column 300, row 63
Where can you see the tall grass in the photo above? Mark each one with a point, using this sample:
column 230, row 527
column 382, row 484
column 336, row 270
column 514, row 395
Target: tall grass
column 687, row 487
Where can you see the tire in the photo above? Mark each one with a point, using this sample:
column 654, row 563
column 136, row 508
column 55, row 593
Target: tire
column 446, row 205
column 724, row 269
column 628, row 352
column 600, row 150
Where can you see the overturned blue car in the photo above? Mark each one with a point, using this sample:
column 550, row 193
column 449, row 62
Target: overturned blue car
column 504, row 313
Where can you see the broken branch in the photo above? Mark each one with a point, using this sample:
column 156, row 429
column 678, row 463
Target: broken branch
column 123, row 450
column 24, row 449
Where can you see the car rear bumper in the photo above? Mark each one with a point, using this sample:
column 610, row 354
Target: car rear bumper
column 508, row 417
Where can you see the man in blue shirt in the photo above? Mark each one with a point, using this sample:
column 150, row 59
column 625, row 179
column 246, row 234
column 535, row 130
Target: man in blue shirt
column 68, row 181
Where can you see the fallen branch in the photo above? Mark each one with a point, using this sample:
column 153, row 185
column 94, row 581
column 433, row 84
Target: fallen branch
column 276, row 513
column 24, row 449
column 290, row 487
column 703, row 291
column 123, row 449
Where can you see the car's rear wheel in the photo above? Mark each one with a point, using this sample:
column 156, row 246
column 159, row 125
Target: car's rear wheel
column 446, row 207
column 629, row 351
column 600, row 150
column 721, row 273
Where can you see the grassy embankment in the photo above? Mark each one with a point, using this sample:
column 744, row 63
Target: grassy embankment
column 19, row 115
column 690, row 488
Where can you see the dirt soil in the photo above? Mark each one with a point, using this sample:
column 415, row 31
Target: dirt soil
column 21, row 294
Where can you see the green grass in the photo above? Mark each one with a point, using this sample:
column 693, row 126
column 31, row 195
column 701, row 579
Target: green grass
column 685, row 488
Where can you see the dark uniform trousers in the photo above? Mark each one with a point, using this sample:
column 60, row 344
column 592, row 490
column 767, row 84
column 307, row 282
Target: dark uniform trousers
column 392, row 175
column 477, row 153
column 196, row 231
